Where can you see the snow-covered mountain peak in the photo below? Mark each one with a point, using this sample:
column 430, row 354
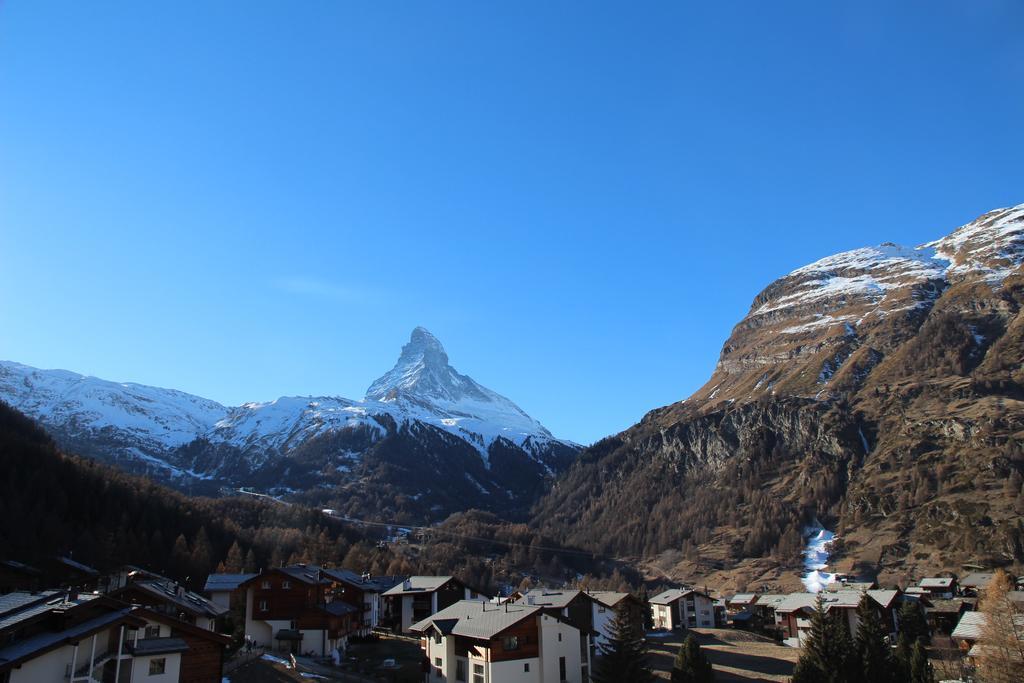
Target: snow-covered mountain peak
column 423, row 372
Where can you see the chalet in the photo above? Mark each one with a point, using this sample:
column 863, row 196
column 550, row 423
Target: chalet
column 943, row 615
column 793, row 614
column 606, row 604
column 418, row 597
column 223, row 589
column 845, row 585
column 291, row 608
column 741, row 602
column 123, row 575
column 944, row 587
column 683, row 608
column 574, row 607
column 974, row 583
column 480, row 642
column 202, row 650
column 17, row 576
column 64, row 636
column 364, row 592
column 764, row 608
column 168, row 597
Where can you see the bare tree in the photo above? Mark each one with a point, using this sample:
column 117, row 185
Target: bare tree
column 1001, row 646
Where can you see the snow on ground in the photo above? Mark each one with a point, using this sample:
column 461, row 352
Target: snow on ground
column 816, row 559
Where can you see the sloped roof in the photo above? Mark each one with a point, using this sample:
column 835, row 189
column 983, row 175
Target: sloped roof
column 953, row 606
column 338, row 608
column 936, row 582
column 20, row 567
column 170, row 592
column 769, row 600
column 838, row 599
column 33, row 646
column 419, row 584
column 21, row 606
column 479, row 620
column 743, row 599
column 977, row 580
column 373, row 584
column 608, row 598
column 672, row 594
column 546, row 597
column 77, row 566
column 970, row 625
column 217, row 583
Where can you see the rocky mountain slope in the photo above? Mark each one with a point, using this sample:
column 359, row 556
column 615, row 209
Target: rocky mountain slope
column 880, row 391
column 425, row 439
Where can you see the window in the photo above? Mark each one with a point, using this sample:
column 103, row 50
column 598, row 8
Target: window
column 460, row 669
column 286, row 585
column 157, row 666
column 265, row 585
column 559, row 637
column 561, row 669
column 478, row 673
column 511, row 643
column 438, row 671
column 526, row 668
column 152, row 632
column 264, row 606
column 600, row 610
column 437, row 637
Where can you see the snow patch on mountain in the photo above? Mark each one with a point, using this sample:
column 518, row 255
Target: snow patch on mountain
column 422, row 389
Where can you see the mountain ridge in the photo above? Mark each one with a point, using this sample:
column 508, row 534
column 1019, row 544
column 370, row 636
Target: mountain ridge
column 193, row 440
column 879, row 390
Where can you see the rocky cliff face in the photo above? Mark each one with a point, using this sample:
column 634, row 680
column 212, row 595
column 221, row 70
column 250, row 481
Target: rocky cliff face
column 879, row 390
column 424, row 442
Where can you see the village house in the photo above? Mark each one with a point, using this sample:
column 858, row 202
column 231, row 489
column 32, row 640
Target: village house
column 418, row 597
column 514, row 642
column 764, row 610
column 741, row 602
column 65, row 636
column 166, row 596
column 974, row 583
column 224, row 590
column 683, row 608
column 65, row 572
column 363, row 591
column 606, row 605
column 793, row 614
column 290, row 610
column 18, row 576
column 944, row 587
column 575, row 607
column 738, row 611
column 970, row 629
column 943, row 615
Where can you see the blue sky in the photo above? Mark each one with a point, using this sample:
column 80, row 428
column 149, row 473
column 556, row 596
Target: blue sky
column 252, row 199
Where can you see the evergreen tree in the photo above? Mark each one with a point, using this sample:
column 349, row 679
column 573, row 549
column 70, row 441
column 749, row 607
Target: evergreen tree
column 873, row 653
column 623, row 656
column 920, row 667
column 901, row 659
column 690, row 665
column 912, row 622
column 828, row 654
column 645, row 604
